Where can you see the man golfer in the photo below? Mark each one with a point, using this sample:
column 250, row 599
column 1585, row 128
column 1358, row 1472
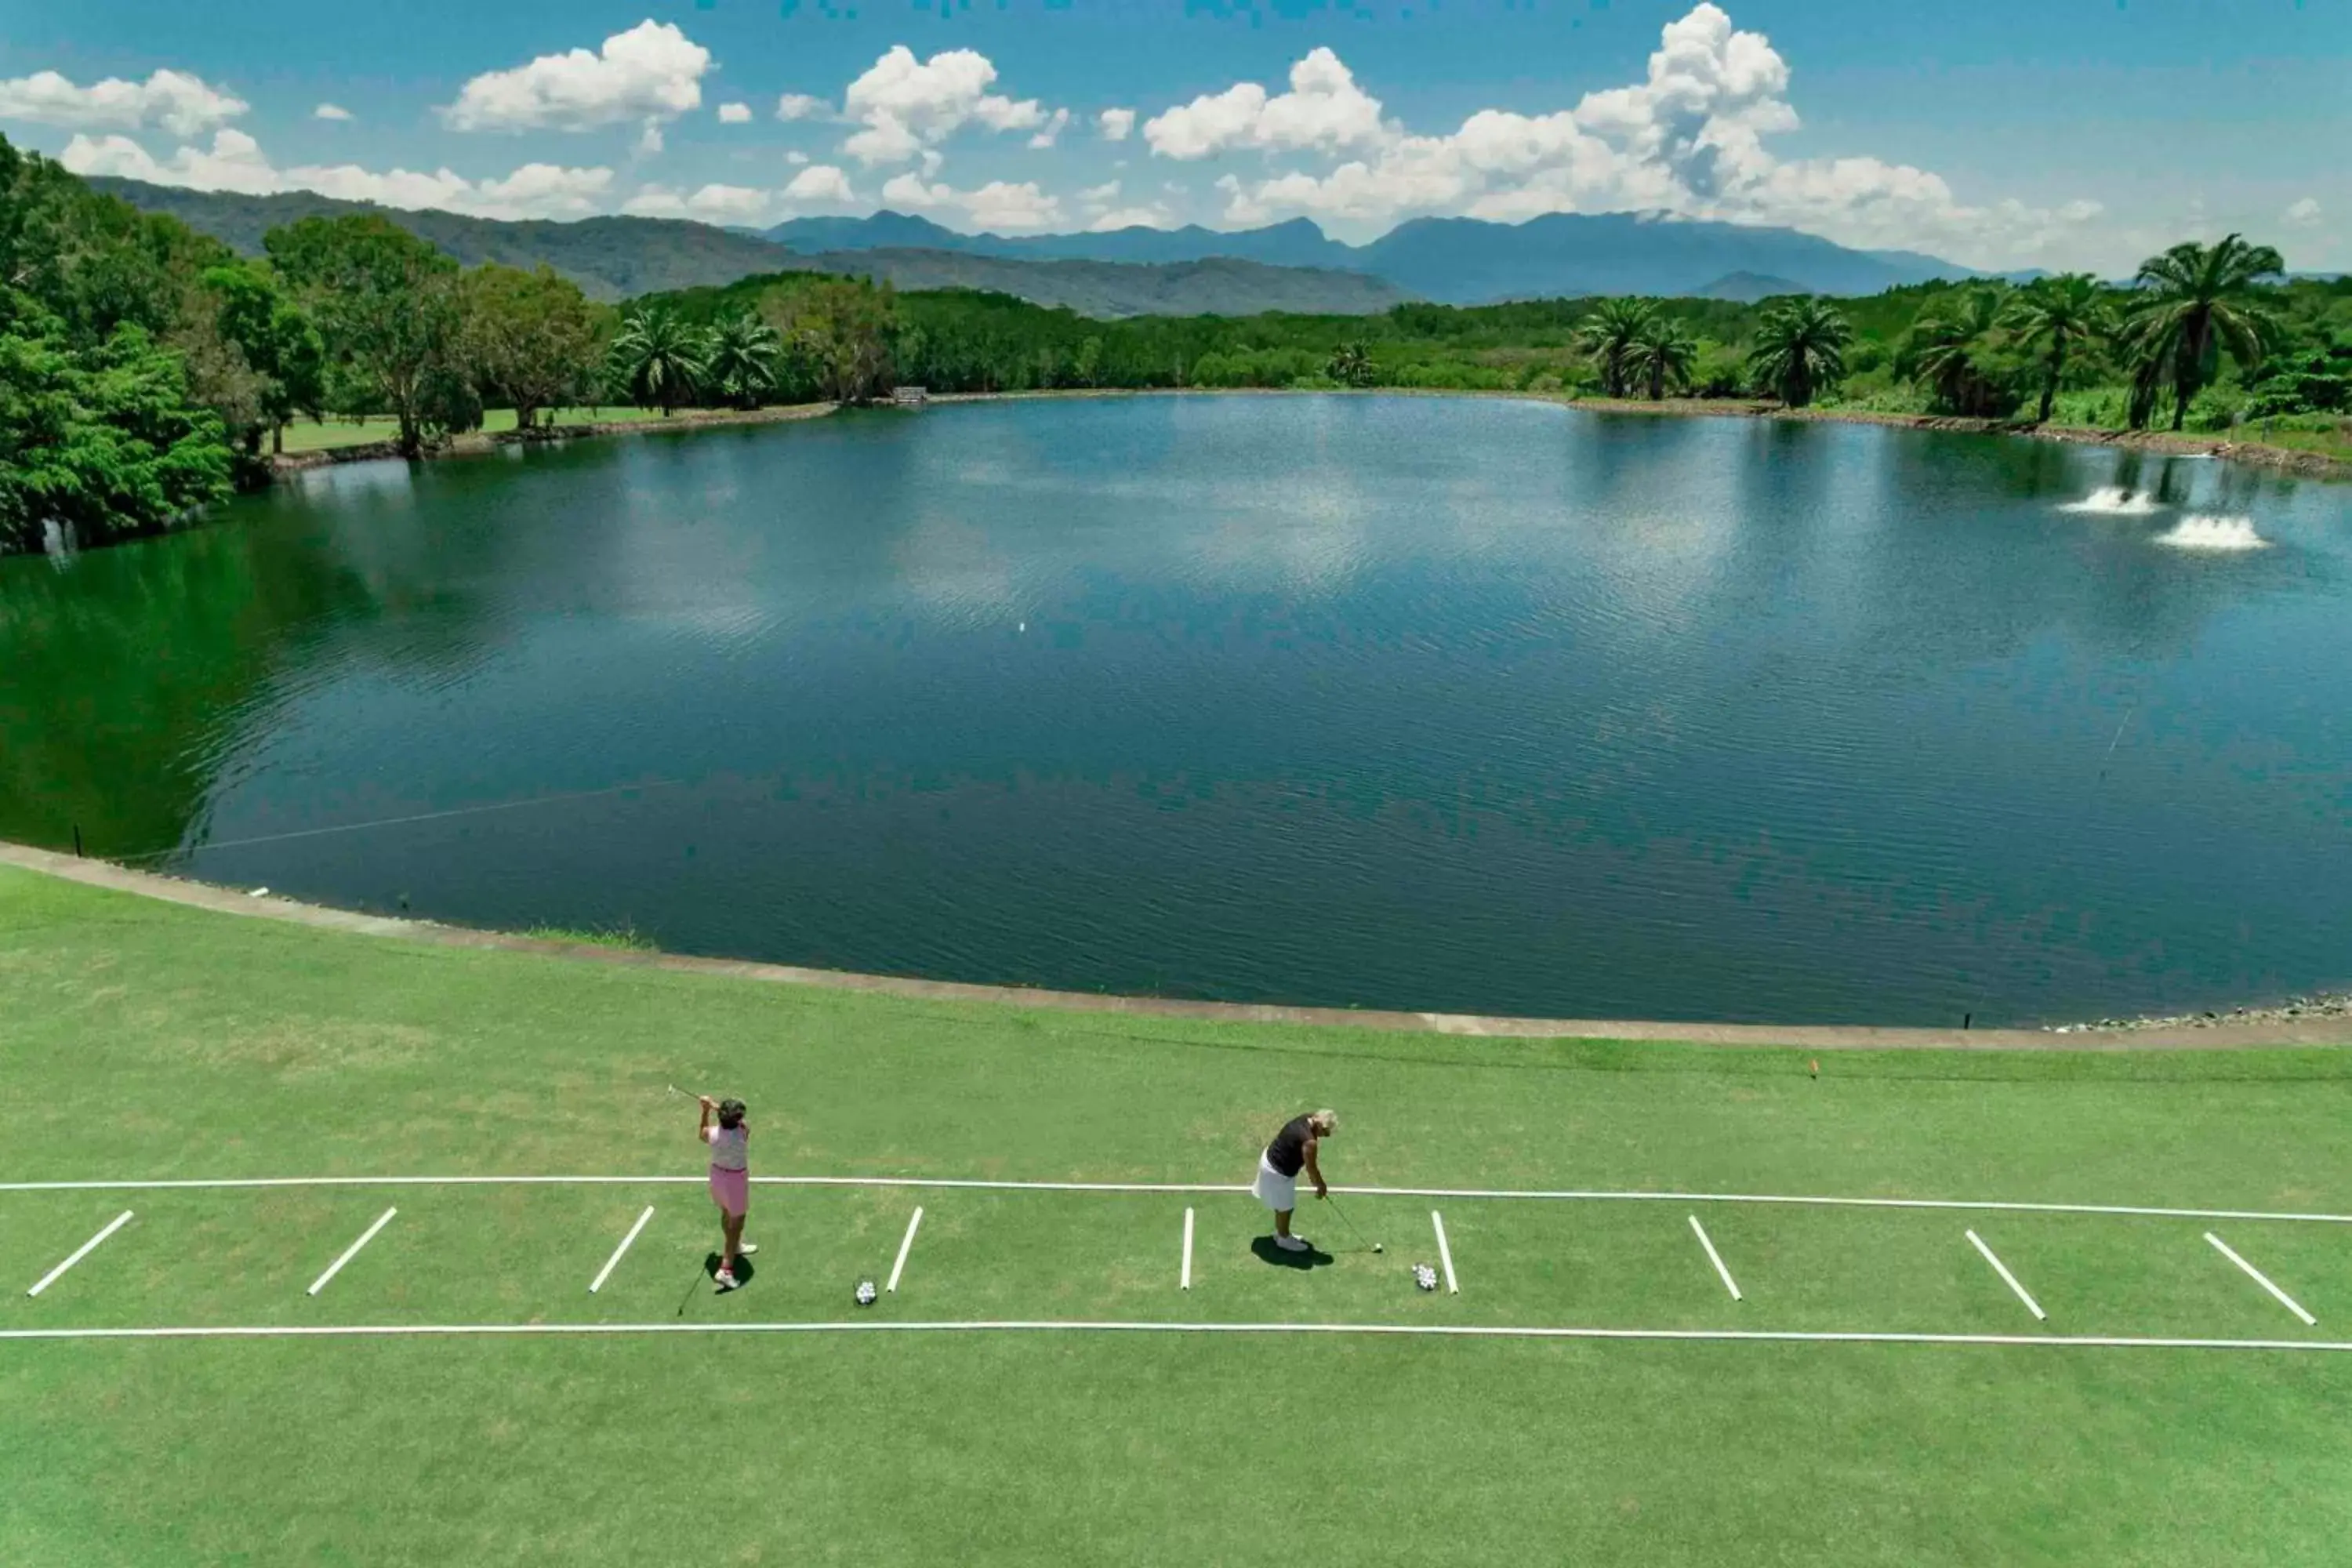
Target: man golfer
column 1293, row 1150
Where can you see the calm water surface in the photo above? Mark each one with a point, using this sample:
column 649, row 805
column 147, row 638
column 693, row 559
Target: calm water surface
column 1414, row 703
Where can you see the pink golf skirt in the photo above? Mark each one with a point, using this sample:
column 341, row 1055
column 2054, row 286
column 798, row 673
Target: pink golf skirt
column 731, row 1190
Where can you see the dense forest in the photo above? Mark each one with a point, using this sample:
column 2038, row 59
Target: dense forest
column 147, row 370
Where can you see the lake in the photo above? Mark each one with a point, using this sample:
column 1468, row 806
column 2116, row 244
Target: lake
column 1450, row 704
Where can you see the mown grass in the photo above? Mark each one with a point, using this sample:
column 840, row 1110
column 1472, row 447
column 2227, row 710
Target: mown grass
column 315, row 435
column 147, row 1039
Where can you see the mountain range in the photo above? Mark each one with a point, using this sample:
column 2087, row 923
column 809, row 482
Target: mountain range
column 1454, row 261
column 1292, row 266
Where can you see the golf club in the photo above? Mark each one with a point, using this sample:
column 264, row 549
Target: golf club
column 699, row 1269
column 1367, row 1240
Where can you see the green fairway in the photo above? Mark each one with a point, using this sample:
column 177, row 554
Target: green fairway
column 145, row 1041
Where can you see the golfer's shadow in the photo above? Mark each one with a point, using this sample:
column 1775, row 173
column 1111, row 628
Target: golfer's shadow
column 1313, row 1257
column 743, row 1269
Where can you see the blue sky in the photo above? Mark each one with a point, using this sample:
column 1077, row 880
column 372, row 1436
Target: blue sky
column 2064, row 133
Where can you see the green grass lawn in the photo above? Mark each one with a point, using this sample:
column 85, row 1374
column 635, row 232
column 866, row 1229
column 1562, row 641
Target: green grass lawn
column 315, row 435
column 150, row 1041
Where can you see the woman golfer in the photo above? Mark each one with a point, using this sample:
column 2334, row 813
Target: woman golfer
column 1292, row 1149
column 730, row 1178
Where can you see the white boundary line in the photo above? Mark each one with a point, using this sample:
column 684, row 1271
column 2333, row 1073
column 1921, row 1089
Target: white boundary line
column 351, row 1251
column 1432, row 1331
column 1715, row 1257
column 1444, row 1253
column 1558, row 1195
column 2010, row 1279
column 2258, row 1277
column 605, row 1273
column 1184, row 1280
column 84, row 1250
column 905, row 1246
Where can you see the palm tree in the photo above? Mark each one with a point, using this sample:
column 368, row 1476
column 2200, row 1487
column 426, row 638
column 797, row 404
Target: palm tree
column 1609, row 334
column 744, row 351
column 1800, row 349
column 2197, row 300
column 660, row 360
column 1948, row 346
column 1351, row 365
column 2052, row 315
column 1663, row 352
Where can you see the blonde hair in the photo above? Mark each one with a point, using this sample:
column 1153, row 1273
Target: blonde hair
column 1323, row 1121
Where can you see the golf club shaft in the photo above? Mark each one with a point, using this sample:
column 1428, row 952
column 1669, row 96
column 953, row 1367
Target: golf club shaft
column 1351, row 1223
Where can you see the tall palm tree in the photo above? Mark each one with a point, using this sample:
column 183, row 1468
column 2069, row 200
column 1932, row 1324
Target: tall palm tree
column 1800, row 349
column 1608, row 334
column 660, row 360
column 1351, row 365
column 744, row 352
column 1949, row 345
column 2197, row 300
column 1663, row 354
column 2052, row 315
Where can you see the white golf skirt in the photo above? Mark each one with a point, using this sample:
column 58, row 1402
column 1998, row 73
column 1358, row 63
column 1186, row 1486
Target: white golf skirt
column 1274, row 1190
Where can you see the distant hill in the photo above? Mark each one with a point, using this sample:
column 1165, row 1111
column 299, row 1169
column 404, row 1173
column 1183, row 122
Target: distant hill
column 609, row 257
column 1298, row 243
column 1748, row 288
column 1456, row 261
column 621, row 257
column 1109, row 291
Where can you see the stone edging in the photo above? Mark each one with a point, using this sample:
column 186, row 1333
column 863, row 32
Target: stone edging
column 2320, row 1031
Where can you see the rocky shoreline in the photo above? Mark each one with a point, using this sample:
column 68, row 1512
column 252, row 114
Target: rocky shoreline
column 2327, row 1005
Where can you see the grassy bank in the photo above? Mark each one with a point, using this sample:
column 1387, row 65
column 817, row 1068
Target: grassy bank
column 158, row 1041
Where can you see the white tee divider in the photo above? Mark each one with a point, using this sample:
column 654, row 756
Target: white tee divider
column 84, row 1250
column 1184, row 1278
column 611, row 1263
column 906, row 1246
column 2008, row 1279
column 1715, row 1257
column 2258, row 1277
column 351, row 1251
column 1444, row 1253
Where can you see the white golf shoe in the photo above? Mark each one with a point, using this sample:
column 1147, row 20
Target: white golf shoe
column 1292, row 1243
column 745, row 1248
column 726, row 1281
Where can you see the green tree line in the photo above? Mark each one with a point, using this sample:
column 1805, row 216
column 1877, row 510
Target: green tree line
column 146, row 370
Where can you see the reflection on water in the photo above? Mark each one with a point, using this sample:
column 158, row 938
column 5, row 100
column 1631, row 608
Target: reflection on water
column 1413, row 702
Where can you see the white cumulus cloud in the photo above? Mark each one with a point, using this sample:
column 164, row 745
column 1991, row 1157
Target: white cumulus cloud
column 1691, row 139
column 2304, row 213
column 331, row 111
column 1052, row 129
column 1324, row 110
column 1116, row 124
column 903, row 105
column 820, row 185
column 652, row 72
column 711, row 203
column 796, row 157
column 182, row 104
column 800, row 106
column 234, row 162
column 734, row 115
column 996, row 205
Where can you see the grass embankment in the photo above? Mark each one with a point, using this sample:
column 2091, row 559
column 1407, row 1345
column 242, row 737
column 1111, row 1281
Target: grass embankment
column 317, row 435
column 143, row 1038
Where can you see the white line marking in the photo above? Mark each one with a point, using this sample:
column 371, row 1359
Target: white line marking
column 1444, row 1253
column 606, row 1272
column 1184, row 1280
column 2256, row 1274
column 1558, row 1195
column 351, row 1251
column 84, row 1250
column 1715, row 1257
column 1434, row 1330
column 905, row 1246
column 2003, row 1269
